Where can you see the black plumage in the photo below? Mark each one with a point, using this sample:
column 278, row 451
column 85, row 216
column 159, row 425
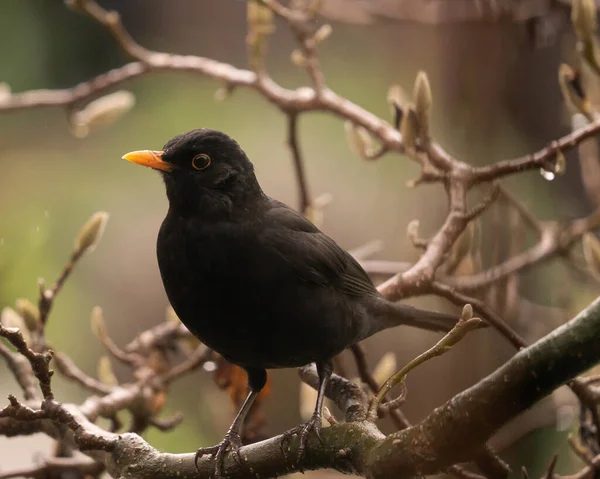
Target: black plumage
column 255, row 280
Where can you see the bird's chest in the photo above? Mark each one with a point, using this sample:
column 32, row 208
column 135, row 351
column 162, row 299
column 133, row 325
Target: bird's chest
column 213, row 279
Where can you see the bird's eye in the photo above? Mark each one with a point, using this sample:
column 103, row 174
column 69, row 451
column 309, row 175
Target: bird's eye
column 201, row 161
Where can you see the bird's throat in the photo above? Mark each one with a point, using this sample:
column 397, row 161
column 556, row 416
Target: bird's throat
column 215, row 202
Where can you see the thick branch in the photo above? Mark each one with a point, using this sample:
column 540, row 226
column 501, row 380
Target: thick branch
column 453, row 431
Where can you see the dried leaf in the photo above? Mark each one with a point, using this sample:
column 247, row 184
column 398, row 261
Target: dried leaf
column 386, row 366
column 158, row 360
column 30, row 314
column 9, row 318
column 90, row 233
column 423, row 101
column 102, row 111
column 158, row 401
column 234, row 380
column 105, row 372
column 591, row 252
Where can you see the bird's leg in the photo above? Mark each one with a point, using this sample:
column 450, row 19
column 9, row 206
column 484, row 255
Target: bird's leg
column 232, row 441
column 324, row 370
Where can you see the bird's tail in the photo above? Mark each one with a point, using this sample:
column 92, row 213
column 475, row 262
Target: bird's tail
column 396, row 314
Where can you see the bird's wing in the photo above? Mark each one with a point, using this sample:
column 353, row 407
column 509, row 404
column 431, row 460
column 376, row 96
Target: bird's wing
column 312, row 254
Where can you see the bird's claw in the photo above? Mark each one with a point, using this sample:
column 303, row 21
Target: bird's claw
column 231, row 442
column 303, row 431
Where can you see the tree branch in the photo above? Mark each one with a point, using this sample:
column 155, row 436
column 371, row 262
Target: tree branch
column 453, row 431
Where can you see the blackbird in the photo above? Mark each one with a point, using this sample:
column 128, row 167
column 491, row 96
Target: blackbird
column 255, row 280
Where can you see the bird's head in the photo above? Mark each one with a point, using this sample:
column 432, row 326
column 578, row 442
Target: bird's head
column 200, row 165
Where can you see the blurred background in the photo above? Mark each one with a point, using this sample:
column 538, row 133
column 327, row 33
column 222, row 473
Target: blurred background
column 496, row 96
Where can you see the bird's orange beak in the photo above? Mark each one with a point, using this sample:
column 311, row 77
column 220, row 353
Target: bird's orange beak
column 152, row 159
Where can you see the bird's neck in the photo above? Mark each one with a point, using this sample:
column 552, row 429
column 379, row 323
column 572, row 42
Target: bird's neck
column 217, row 204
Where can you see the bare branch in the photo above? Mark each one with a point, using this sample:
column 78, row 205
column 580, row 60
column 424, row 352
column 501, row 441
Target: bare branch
column 193, row 362
column 38, row 361
column 526, row 215
column 360, row 357
column 66, row 366
column 536, row 160
column 472, row 416
column 479, row 306
column 298, row 162
column 555, row 239
column 111, row 20
column 47, row 295
column 21, row 370
column 465, row 421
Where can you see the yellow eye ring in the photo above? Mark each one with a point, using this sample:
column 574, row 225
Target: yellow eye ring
column 201, row 162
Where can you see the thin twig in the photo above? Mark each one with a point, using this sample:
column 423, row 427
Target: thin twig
column 39, row 361
column 526, row 215
column 485, row 203
column 292, row 136
column 47, row 296
column 298, row 22
column 555, row 239
column 21, row 370
column 462, row 328
column 535, row 160
column 111, row 20
column 66, row 366
column 360, row 357
column 200, row 355
column 166, row 424
column 487, row 314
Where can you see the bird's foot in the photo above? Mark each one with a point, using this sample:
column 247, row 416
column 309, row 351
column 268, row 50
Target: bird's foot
column 231, row 442
column 303, row 431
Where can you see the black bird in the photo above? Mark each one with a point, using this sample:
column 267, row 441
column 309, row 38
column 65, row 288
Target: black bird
column 255, row 280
